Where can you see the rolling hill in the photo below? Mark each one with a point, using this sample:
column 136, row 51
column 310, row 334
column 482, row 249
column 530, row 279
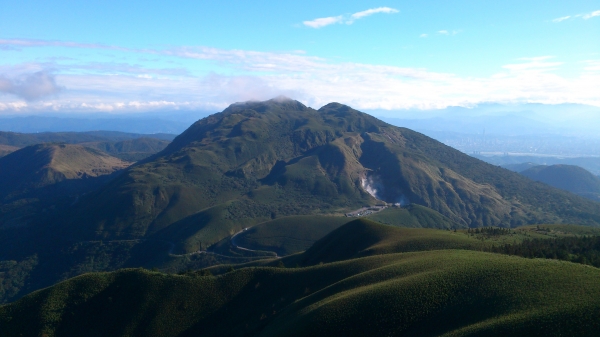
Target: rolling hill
column 44, row 175
column 570, row 178
column 421, row 292
column 126, row 146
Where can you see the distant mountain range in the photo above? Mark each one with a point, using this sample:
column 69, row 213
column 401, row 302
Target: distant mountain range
column 130, row 124
column 515, row 162
column 536, row 129
column 503, row 119
column 127, row 146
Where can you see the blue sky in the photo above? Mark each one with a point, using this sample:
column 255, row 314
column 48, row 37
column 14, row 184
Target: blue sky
column 138, row 56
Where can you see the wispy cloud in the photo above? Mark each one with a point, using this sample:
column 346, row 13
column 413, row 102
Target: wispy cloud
column 585, row 16
column 22, row 43
column 368, row 12
column 591, row 15
column 322, row 22
column 424, row 35
column 561, row 19
column 347, row 19
column 448, row 32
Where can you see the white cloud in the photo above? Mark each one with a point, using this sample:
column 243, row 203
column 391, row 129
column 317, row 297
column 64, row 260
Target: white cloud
column 562, row 18
column 447, row 32
column 124, row 88
column 368, row 12
column 30, row 86
column 322, row 22
column 423, row 35
column 591, row 15
column 536, row 64
column 347, row 19
column 592, row 65
column 583, row 16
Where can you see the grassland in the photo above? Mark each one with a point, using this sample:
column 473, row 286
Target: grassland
column 289, row 235
column 439, row 292
column 413, row 216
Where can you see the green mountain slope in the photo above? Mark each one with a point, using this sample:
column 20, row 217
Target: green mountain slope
column 26, row 139
column 125, row 146
column 41, row 176
column 261, row 160
column 420, row 293
column 288, row 235
column 294, row 234
column 41, row 165
column 570, row 178
column 130, row 149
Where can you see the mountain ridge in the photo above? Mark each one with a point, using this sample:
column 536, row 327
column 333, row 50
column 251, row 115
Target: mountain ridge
column 252, row 152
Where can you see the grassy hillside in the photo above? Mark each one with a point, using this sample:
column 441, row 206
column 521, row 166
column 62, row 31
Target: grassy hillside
column 416, row 216
column 40, row 180
column 130, row 149
column 20, row 140
column 570, row 178
column 364, row 237
column 46, row 164
column 289, row 235
column 445, row 292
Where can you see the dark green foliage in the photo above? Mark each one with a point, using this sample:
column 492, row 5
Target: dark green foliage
column 490, row 231
column 585, row 250
column 13, row 277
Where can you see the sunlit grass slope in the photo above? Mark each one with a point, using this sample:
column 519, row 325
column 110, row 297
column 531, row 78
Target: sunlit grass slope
column 294, row 234
column 414, row 216
column 446, row 292
column 363, row 237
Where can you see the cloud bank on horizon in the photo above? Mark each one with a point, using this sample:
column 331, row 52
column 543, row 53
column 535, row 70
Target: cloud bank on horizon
column 418, row 60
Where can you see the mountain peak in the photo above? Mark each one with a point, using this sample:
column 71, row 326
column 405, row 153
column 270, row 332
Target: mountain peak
column 277, row 103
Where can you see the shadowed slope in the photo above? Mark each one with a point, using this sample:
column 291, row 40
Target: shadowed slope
column 45, row 164
column 40, row 176
column 570, row 178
